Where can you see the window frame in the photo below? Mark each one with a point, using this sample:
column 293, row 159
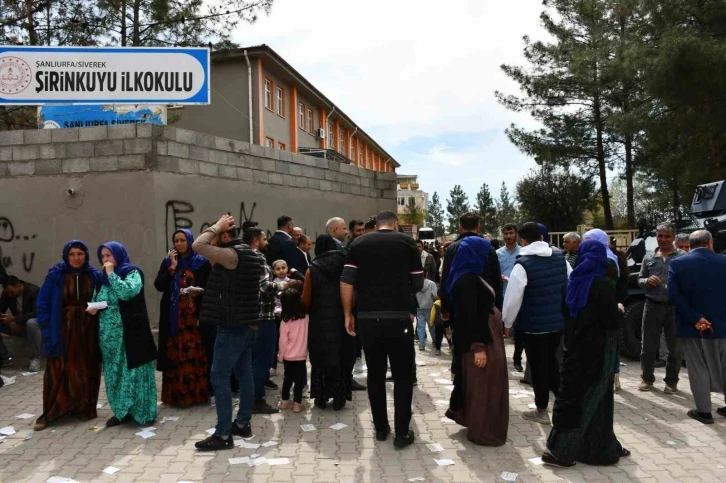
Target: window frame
column 270, row 141
column 341, row 143
column 280, row 101
column 281, row 146
column 301, row 116
column 311, row 121
column 331, row 137
column 271, row 85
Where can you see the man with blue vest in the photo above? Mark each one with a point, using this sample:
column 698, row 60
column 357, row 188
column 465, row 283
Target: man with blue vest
column 535, row 294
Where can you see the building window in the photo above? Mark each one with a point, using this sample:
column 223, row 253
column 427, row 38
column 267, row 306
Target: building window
column 310, row 121
column 280, row 101
column 360, row 158
column 281, row 147
column 331, row 136
column 268, row 94
column 301, row 115
column 352, row 151
column 368, row 161
column 342, row 142
column 401, row 201
column 269, row 143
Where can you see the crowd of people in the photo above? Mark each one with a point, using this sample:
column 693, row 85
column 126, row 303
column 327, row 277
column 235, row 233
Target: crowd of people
column 235, row 305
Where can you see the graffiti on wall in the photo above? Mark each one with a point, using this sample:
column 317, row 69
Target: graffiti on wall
column 179, row 215
column 15, row 252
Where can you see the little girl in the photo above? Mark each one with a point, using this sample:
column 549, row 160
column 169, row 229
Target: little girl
column 279, row 267
column 293, row 349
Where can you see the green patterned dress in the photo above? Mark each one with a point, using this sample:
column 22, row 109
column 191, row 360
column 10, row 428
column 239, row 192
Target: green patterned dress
column 129, row 391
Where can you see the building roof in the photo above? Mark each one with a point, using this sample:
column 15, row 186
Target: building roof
column 265, row 51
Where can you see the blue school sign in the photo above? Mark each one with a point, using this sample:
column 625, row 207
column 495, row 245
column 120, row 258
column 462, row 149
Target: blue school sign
column 54, row 117
column 89, row 75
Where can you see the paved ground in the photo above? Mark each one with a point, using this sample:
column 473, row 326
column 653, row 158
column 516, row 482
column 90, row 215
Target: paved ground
column 666, row 444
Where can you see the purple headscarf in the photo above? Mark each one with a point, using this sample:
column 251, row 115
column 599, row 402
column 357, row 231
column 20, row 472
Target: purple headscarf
column 591, row 263
column 192, row 261
column 121, row 255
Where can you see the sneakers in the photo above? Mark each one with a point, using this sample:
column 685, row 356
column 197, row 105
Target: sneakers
column 286, row 404
column 421, row 348
column 214, row 443
column 261, row 407
column 382, row 435
column 34, row 365
column 242, row 432
column 298, row 407
column 114, row 421
column 704, row 418
column 438, row 352
column 537, row 417
column 401, row 442
column 670, row 389
column 269, row 384
column 359, row 367
column 550, row 460
column 617, row 383
column 645, row 386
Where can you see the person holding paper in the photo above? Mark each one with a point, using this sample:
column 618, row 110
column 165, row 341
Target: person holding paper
column 127, row 346
column 182, row 359
column 70, row 337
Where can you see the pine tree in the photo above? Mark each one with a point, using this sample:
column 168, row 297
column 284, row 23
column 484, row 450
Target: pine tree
column 506, row 209
column 414, row 215
column 435, row 215
column 456, row 205
column 486, row 209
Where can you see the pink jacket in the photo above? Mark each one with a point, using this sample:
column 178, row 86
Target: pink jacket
column 293, row 340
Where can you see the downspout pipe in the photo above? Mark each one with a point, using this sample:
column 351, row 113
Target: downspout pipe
column 249, row 102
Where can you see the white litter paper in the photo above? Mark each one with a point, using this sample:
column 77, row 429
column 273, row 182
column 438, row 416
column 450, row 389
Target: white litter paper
column 338, row 426
column 672, row 443
column 111, row 470
column 60, row 479
column 8, row 380
column 169, row 418
column 509, row 476
column 255, row 456
column 418, row 478
column 99, row 406
column 443, row 381
column 146, row 434
column 444, row 462
column 532, row 406
column 308, row 427
column 435, row 447
column 24, row 416
column 210, row 431
column 97, row 305
column 278, row 461
column 269, row 444
column 537, row 461
column 441, row 402
column 148, row 429
column 513, row 391
column 29, row 435
column 258, row 461
column 27, row 374
column 435, row 374
column 240, row 461
column 240, row 443
column 420, row 363
column 2, row 438
column 447, row 421
column 449, row 388
column 7, row 431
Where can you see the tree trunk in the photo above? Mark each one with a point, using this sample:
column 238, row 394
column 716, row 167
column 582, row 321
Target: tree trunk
column 32, row 34
column 629, row 180
column 609, row 225
column 137, row 27
column 122, row 16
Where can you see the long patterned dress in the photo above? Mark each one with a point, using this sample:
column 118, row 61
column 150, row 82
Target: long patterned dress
column 186, row 383
column 72, row 380
column 129, row 391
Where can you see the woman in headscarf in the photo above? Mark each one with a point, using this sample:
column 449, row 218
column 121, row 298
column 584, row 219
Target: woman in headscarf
column 182, row 356
column 70, row 337
column 583, row 413
column 480, row 399
column 332, row 350
column 127, row 346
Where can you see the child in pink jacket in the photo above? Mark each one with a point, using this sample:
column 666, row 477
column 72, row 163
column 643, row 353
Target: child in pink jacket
column 293, row 348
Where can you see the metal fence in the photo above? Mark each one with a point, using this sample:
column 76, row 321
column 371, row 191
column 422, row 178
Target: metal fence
column 620, row 238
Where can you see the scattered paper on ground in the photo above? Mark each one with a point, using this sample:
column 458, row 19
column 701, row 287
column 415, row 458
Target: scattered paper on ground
column 435, row 374
column 338, row 426
column 60, row 479
column 418, row 478
column 99, row 406
column 443, row 381
column 449, row 388
column 169, row 418
column 255, row 456
column 239, row 461
column 146, row 434
column 444, row 462
column 278, row 461
column 24, row 416
column 536, row 461
column 148, row 429
column 210, row 431
column 532, row 406
column 111, row 470
column 447, row 421
column 521, row 396
column 7, row 431
column 308, row 427
column 441, row 402
column 513, row 391
column 8, row 380
column 420, row 363
column 435, row 447
column 258, row 461
column 509, row 476
column 29, row 435
column 26, row 374
column 240, row 443
column 269, row 443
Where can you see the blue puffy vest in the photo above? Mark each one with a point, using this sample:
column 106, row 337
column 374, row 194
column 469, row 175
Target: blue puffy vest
column 543, row 297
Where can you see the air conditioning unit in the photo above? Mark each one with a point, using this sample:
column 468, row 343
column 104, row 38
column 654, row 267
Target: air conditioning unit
column 320, row 133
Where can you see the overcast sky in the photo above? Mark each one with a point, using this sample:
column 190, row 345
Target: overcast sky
column 417, row 75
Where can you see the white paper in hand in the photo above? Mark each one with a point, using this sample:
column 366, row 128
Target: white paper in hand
column 444, row 462
column 435, row 447
column 97, row 305
column 509, row 476
column 111, row 470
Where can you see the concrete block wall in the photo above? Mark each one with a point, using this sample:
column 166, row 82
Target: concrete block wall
column 137, row 184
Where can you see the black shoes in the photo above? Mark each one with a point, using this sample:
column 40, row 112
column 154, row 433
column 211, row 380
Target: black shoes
column 114, row 421
column 261, row 407
column 357, row 386
column 550, row 460
column 269, row 384
column 401, row 442
column 7, row 362
column 338, row 404
column 320, row 403
column 659, row 363
column 525, row 381
column 214, row 443
column 450, row 415
column 242, row 432
column 704, row 418
column 721, row 411
column 518, row 367
column 383, row 434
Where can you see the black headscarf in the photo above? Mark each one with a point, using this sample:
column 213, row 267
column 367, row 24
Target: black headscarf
column 324, row 243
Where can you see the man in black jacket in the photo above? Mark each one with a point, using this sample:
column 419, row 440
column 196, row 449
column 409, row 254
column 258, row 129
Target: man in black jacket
column 20, row 298
column 384, row 269
column 281, row 245
column 231, row 302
